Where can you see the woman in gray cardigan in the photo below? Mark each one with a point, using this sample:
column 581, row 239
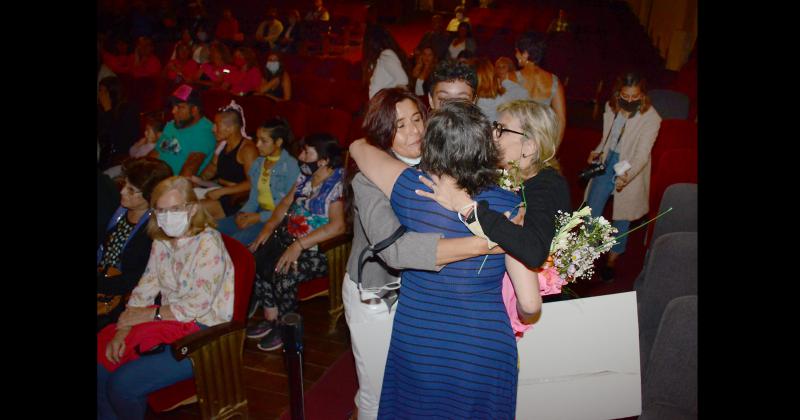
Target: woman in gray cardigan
column 630, row 127
column 395, row 123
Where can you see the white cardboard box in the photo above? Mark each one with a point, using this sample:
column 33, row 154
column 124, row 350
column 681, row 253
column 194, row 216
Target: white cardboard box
column 581, row 361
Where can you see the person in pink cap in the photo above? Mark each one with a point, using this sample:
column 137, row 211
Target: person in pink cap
column 187, row 142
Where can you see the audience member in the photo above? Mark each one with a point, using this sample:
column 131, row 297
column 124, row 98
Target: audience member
column 119, row 61
column 123, row 254
column 630, row 128
column 457, row 20
column 269, row 30
column 437, row 38
column 542, row 86
column 187, row 143
column 191, row 269
column 559, row 24
column 384, row 64
column 491, row 92
column 462, row 42
column 247, row 79
column 286, row 248
column 505, row 69
column 276, row 84
column 182, row 68
column 287, row 40
column 319, row 13
column 218, row 71
column 271, row 175
column 107, row 200
column 467, row 57
column 230, row 165
column 228, row 28
column 425, row 62
column 153, row 127
column 144, row 63
column 117, row 121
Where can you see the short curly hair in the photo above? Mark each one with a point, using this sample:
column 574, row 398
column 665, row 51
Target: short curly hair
column 450, row 71
column 534, row 44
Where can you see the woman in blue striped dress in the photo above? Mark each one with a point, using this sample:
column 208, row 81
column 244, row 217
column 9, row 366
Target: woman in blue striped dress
column 452, row 352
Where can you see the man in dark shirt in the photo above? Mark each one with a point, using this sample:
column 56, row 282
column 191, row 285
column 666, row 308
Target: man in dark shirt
column 437, row 38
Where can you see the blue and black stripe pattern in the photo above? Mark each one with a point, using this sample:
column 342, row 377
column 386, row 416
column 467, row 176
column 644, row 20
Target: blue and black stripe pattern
column 452, row 352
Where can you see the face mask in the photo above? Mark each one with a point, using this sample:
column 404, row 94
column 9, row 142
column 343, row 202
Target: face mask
column 173, row 223
column 307, row 168
column 273, row 66
column 239, row 61
column 629, row 106
column 409, row 161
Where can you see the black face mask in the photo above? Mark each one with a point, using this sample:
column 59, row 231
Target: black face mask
column 308, row 168
column 630, row 106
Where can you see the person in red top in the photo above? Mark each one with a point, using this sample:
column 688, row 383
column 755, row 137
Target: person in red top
column 182, row 69
column 119, row 61
column 248, row 78
column 143, row 62
column 228, row 27
column 218, row 72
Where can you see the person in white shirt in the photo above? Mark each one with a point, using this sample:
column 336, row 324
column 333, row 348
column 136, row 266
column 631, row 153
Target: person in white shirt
column 269, row 29
column 385, row 64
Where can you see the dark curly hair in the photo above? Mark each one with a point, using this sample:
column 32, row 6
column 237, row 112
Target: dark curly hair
column 534, row 44
column 459, row 143
column 449, row 71
column 145, row 173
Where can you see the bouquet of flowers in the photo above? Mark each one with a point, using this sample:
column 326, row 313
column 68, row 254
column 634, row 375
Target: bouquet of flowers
column 580, row 240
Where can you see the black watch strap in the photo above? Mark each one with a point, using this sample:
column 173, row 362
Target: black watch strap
column 157, row 317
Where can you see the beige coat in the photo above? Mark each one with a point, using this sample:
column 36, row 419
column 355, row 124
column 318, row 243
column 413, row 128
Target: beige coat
column 637, row 140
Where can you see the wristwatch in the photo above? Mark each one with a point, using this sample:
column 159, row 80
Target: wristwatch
column 157, row 317
column 472, row 216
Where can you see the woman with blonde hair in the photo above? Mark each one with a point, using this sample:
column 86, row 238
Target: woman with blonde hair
column 504, row 68
column 527, row 135
column 190, row 268
column 493, row 92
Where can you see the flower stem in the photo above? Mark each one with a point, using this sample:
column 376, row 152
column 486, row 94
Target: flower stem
column 638, row 227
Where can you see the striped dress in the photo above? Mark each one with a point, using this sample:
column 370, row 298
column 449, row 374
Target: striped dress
column 452, row 352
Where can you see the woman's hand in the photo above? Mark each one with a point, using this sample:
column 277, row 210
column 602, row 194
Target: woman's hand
column 289, row 258
column 622, row 181
column 196, row 180
column 445, row 192
column 215, row 194
column 262, row 237
column 518, row 219
column 133, row 316
column 116, row 347
column 592, row 157
column 245, row 220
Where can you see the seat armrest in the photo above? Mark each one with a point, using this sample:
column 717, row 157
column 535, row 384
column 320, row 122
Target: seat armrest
column 192, row 342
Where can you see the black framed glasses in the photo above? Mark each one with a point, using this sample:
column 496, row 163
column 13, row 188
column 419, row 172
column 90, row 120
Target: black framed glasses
column 498, row 130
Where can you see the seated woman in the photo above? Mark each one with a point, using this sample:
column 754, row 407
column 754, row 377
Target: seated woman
column 273, row 174
column 144, row 62
column 230, row 165
column 505, row 69
column 153, row 127
column 286, row 249
column 276, row 84
column 192, row 271
column 491, row 92
column 248, row 77
column 182, row 68
column 455, row 317
column 457, row 20
column 122, row 256
column 218, row 71
column 117, row 122
column 462, row 42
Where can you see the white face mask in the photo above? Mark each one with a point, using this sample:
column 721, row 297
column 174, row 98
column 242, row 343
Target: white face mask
column 409, row 161
column 173, row 223
column 273, row 66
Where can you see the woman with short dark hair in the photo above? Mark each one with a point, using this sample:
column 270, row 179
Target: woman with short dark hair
column 542, row 86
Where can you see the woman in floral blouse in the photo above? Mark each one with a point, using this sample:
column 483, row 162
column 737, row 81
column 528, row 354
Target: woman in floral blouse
column 191, row 269
column 286, row 249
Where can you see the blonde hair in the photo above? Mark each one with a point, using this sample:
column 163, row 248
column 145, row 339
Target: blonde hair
column 512, row 75
column 199, row 221
column 488, row 85
column 540, row 125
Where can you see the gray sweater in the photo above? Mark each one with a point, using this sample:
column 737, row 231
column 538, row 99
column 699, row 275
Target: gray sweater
column 374, row 221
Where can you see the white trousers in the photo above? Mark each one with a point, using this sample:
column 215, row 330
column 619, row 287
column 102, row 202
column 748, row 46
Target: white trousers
column 370, row 326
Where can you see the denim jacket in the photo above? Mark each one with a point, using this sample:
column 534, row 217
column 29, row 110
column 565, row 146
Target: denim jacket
column 282, row 178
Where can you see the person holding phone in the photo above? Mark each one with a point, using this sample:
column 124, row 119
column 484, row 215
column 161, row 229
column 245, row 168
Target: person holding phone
column 630, row 128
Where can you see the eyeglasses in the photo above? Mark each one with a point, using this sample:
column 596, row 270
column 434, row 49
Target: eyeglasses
column 498, row 130
column 179, row 207
column 130, row 191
